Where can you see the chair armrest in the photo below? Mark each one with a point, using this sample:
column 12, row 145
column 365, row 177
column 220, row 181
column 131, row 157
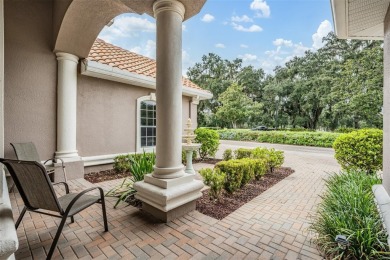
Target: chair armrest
column 54, row 160
column 65, row 184
column 80, row 195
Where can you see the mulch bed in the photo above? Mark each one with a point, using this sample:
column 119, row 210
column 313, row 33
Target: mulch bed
column 207, row 160
column 230, row 202
column 107, row 175
column 216, row 209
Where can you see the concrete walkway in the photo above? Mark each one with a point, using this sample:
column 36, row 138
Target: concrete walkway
column 271, row 226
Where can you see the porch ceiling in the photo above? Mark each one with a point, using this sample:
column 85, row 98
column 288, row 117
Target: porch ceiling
column 82, row 21
column 146, row 6
column 359, row 19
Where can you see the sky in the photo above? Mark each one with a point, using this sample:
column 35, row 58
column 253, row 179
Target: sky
column 263, row 33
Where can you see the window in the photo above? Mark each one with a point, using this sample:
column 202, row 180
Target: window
column 146, row 123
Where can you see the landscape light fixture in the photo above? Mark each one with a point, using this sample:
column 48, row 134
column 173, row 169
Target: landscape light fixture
column 342, row 241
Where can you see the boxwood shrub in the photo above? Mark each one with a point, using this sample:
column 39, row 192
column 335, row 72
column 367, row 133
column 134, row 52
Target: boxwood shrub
column 215, row 179
column 209, row 140
column 234, row 170
column 243, row 153
column 360, row 150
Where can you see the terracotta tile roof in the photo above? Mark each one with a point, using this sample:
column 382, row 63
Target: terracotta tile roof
column 115, row 56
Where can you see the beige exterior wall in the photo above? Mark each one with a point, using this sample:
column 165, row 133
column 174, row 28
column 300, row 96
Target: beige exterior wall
column 30, row 76
column 106, row 116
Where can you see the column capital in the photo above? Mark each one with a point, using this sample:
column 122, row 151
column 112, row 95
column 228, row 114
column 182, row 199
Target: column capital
column 168, row 5
column 67, row 56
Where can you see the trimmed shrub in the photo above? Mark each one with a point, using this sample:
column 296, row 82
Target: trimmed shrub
column 227, row 155
column 122, row 163
column 260, row 168
column 276, row 159
column 348, row 209
column 209, row 140
column 345, row 130
column 215, row 179
column 320, row 139
column 241, row 153
column 234, row 170
column 248, row 173
column 360, row 150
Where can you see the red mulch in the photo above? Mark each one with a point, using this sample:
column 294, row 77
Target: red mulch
column 107, row 175
column 230, row 202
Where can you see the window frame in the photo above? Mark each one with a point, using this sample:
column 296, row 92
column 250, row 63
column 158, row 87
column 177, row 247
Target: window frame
column 140, row 149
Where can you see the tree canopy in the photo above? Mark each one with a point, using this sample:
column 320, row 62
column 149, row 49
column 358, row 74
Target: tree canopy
column 339, row 85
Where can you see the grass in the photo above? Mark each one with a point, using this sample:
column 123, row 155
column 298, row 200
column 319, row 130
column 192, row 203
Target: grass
column 348, row 209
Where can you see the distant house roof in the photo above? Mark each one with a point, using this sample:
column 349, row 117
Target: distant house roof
column 114, row 56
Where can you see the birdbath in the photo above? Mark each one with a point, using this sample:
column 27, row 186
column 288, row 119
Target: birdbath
column 189, row 147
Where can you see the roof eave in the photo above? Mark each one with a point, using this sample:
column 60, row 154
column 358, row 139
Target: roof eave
column 107, row 72
column 340, row 18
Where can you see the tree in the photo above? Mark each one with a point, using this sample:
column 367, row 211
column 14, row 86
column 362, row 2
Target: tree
column 236, row 106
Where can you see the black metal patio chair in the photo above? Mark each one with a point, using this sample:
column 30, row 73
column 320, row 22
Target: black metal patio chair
column 38, row 194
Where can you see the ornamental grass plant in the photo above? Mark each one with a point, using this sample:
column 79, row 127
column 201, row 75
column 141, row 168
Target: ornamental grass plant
column 348, row 209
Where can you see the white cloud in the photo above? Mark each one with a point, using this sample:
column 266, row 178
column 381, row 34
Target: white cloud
column 244, row 46
column 248, row 57
column 127, row 27
column 183, row 27
column 220, row 45
column 261, row 8
column 149, row 50
column 207, row 18
column 187, row 62
column 252, row 28
column 281, row 42
column 323, row 30
column 242, row 19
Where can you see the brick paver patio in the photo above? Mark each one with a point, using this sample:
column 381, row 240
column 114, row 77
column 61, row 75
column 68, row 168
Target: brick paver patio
column 271, row 226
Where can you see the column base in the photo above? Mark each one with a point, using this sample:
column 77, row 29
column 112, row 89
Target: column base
column 167, row 199
column 74, row 169
column 170, row 215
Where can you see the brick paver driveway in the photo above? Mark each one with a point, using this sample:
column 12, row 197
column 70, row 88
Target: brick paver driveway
column 271, row 226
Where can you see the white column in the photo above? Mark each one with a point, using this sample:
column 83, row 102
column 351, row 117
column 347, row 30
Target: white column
column 169, row 16
column 66, row 105
column 386, row 104
column 1, row 78
column 169, row 192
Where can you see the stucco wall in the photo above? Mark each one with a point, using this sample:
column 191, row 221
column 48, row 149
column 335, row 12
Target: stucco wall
column 30, row 76
column 106, row 116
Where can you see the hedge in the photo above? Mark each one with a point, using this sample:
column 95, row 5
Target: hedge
column 307, row 138
column 360, row 150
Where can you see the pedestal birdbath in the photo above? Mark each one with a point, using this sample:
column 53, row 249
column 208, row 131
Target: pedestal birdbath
column 189, row 147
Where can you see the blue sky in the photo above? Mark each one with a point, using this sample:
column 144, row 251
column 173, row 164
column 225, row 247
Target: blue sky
column 264, row 33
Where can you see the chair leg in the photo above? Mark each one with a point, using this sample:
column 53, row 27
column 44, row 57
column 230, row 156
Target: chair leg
column 72, row 219
column 104, row 213
column 57, row 236
column 20, row 217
